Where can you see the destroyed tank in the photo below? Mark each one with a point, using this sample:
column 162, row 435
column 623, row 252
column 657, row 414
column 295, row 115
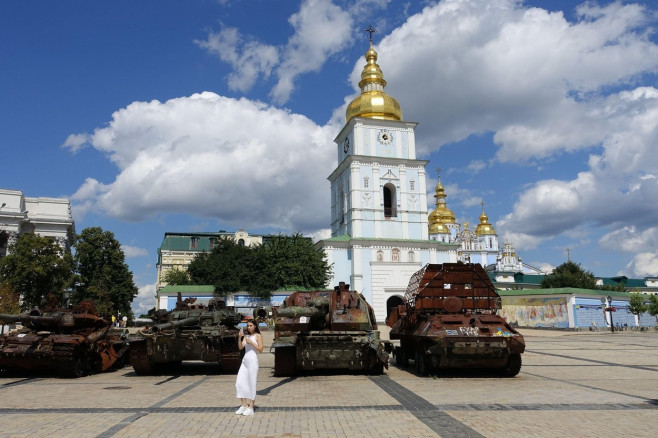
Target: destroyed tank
column 71, row 342
column 189, row 332
column 327, row 330
column 449, row 320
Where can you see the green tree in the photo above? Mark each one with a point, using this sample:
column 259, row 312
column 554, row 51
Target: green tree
column 291, row 262
column 569, row 274
column 652, row 308
column 229, row 267
column 9, row 299
column 281, row 262
column 35, row 267
column 102, row 274
column 637, row 306
column 176, row 277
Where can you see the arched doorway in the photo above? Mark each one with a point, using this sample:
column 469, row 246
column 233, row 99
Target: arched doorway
column 392, row 303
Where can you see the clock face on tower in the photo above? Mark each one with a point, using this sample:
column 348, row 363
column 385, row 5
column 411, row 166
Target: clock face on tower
column 384, row 137
column 346, row 145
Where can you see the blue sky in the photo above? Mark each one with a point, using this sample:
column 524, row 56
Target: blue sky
column 157, row 116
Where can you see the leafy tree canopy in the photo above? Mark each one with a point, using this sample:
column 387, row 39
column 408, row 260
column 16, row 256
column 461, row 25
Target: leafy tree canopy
column 569, row 274
column 637, row 305
column 35, row 267
column 9, row 299
column 102, row 274
column 177, row 277
column 653, row 305
column 283, row 262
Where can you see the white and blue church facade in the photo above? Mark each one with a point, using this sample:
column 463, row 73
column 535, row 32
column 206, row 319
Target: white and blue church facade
column 379, row 219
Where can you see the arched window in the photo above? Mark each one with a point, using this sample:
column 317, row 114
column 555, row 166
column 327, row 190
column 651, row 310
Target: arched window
column 390, row 201
column 410, row 256
column 241, row 242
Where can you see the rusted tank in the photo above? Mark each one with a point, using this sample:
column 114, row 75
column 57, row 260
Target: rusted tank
column 327, row 330
column 449, row 320
column 72, row 342
column 189, row 332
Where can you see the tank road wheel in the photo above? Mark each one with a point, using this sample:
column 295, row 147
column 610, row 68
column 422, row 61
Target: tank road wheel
column 285, row 359
column 401, row 357
column 422, row 362
column 71, row 361
column 137, row 355
column 513, row 365
column 80, row 366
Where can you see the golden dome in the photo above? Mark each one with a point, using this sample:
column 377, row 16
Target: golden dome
column 373, row 102
column 484, row 227
column 438, row 228
column 441, row 215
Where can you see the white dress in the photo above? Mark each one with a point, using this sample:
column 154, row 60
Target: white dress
column 245, row 384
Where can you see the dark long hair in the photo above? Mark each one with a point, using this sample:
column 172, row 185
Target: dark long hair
column 255, row 324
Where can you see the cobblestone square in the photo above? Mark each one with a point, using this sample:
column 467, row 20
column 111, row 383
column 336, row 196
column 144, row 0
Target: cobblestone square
column 582, row 384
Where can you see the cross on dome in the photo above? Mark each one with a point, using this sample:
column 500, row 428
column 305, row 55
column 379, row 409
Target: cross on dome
column 370, row 30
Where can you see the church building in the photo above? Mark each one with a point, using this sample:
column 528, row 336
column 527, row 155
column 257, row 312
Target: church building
column 379, row 219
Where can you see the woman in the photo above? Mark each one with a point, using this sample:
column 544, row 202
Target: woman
column 245, row 384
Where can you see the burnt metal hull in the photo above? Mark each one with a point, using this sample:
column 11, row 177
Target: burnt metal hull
column 154, row 352
column 68, row 355
column 360, row 351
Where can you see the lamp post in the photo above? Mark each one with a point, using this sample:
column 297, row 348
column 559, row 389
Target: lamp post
column 612, row 325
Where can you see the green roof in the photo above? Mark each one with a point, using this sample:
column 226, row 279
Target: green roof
column 563, row 291
column 188, row 288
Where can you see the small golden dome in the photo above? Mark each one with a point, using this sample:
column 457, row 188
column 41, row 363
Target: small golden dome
column 441, row 215
column 484, row 227
column 438, row 228
column 373, row 102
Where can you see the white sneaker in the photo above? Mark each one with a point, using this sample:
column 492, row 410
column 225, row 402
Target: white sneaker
column 241, row 409
column 248, row 411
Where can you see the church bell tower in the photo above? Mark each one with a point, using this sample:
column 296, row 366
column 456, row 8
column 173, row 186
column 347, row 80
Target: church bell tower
column 378, row 189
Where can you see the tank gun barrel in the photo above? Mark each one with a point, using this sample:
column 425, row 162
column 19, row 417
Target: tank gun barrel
column 298, row 311
column 178, row 323
column 25, row 318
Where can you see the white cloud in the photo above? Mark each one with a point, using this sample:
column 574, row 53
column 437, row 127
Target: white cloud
column 241, row 162
column 75, row 142
column 641, row 243
column 525, row 73
column 133, row 251
column 321, row 29
column 145, row 300
column 249, row 59
column 644, row 265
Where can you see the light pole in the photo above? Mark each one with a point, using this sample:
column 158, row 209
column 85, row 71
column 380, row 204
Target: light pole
column 612, row 325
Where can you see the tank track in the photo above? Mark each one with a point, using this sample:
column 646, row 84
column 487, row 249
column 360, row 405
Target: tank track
column 71, row 360
column 139, row 360
column 230, row 359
